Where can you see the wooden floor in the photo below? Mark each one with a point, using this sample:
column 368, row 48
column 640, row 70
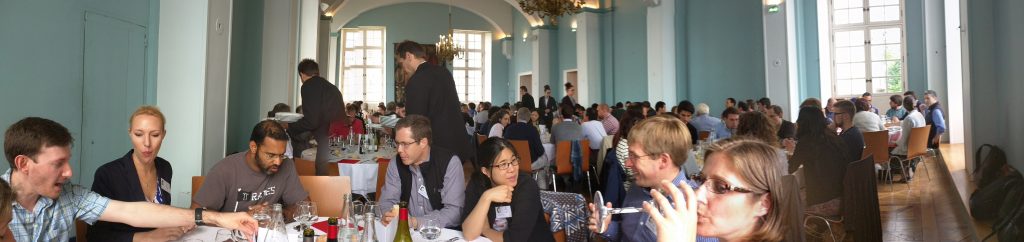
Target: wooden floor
column 930, row 209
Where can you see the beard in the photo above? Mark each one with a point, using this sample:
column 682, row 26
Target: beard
column 265, row 167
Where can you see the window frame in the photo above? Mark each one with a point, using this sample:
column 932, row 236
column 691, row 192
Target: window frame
column 485, row 51
column 365, row 67
column 865, row 27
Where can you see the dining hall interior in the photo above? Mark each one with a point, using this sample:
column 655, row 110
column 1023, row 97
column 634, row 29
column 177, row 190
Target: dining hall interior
column 215, row 68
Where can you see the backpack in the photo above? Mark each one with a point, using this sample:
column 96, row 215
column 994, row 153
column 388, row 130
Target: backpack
column 990, row 168
column 986, row 201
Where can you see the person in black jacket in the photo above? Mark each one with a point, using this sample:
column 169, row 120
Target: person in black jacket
column 430, row 91
column 547, row 107
column 502, row 203
column 527, row 99
column 570, row 90
column 323, row 104
column 138, row 176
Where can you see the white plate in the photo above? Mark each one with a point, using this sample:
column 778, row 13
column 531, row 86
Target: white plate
column 287, row 117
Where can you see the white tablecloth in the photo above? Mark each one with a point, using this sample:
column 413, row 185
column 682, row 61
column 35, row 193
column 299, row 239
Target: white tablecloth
column 209, row 234
column 363, row 173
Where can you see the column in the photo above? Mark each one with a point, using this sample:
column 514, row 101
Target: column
column 588, row 57
column 661, row 50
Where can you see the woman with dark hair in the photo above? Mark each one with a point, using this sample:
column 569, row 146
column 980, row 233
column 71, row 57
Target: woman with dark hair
column 824, row 157
column 502, row 203
column 499, row 121
column 757, row 126
column 634, row 114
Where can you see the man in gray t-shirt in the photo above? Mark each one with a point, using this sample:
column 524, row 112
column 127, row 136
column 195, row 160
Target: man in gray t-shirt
column 255, row 178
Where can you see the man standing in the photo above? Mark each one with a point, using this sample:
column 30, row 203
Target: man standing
column 548, row 106
column 253, row 179
column 427, row 177
column 527, row 99
column 322, row 105
column 46, row 204
column 431, row 92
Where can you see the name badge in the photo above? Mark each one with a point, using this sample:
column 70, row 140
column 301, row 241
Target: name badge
column 503, row 212
column 164, row 185
column 423, row 192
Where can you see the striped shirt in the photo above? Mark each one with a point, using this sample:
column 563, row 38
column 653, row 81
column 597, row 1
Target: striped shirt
column 54, row 220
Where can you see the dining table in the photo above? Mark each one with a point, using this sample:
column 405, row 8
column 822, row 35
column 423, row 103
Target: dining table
column 383, row 232
column 361, row 168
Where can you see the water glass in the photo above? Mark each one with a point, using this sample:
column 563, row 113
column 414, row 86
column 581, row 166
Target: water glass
column 430, row 229
column 357, row 212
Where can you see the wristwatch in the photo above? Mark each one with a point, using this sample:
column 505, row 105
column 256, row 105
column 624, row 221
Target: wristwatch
column 199, row 217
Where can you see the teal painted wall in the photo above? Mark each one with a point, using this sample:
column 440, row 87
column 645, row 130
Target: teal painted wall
column 808, row 56
column 246, row 61
column 522, row 54
column 566, row 50
column 917, row 74
column 995, row 57
column 396, row 19
column 41, row 64
column 624, row 51
column 724, row 48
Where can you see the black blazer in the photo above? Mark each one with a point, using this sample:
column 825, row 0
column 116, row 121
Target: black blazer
column 527, row 100
column 321, row 104
column 431, row 92
column 568, row 100
column 548, row 103
column 118, row 180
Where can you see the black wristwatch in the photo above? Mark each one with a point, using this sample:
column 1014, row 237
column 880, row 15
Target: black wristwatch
column 199, row 217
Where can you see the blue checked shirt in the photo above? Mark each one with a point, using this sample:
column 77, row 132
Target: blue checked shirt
column 638, row 227
column 54, row 220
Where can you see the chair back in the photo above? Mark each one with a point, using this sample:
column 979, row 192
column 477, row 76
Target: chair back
column 563, row 162
column 382, row 173
column 568, row 213
column 703, row 135
column 860, row 208
column 80, row 229
column 917, row 146
column 197, row 182
column 793, row 208
column 606, row 143
column 522, row 148
column 325, row 191
column 560, row 234
column 876, row 146
column 308, row 168
column 480, row 138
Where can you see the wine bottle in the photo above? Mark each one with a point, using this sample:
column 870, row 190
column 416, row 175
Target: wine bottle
column 308, row 235
column 402, row 234
column 332, row 229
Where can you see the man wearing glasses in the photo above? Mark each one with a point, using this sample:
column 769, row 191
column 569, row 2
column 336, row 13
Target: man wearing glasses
column 430, row 179
column 252, row 180
column 658, row 147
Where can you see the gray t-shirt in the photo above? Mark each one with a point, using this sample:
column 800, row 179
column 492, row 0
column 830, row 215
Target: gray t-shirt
column 220, row 188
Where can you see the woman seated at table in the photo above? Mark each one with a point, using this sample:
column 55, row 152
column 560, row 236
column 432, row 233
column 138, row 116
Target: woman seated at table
column 500, row 120
column 138, row 176
column 342, row 129
column 6, row 200
column 824, row 157
column 739, row 200
column 757, row 126
column 502, row 203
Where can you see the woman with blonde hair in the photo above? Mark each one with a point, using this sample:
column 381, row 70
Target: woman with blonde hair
column 740, row 198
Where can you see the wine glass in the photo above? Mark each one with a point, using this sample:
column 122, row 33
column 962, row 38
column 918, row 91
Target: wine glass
column 301, row 214
column 357, row 212
column 312, row 214
column 430, row 229
column 238, row 236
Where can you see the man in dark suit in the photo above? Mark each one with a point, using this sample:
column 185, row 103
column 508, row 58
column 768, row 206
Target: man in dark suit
column 431, row 92
column 547, row 106
column 527, row 99
column 322, row 104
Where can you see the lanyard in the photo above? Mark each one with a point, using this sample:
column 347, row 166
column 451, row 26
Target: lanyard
column 159, row 192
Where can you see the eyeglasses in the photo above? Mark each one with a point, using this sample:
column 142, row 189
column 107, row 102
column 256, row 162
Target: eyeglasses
column 505, row 166
column 633, row 157
column 403, row 145
column 718, row 186
column 271, row 156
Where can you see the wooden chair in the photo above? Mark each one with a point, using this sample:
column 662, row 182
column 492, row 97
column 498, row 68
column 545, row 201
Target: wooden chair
column 80, row 229
column 563, row 163
column 325, row 191
column 382, row 173
column 876, row 146
column 859, row 211
column 917, row 146
column 480, row 138
column 523, row 150
column 792, row 205
column 308, row 168
column 197, row 182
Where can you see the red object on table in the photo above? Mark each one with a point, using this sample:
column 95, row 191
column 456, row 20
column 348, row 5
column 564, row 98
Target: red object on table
column 349, row 161
column 321, row 226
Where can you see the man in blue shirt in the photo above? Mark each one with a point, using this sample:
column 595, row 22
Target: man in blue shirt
column 704, row 121
column 657, row 149
column 730, row 121
column 47, row 204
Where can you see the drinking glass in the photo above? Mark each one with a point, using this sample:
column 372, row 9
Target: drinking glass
column 357, row 212
column 371, row 209
column 312, row 214
column 430, row 229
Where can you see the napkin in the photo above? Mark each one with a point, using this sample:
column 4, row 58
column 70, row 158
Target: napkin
column 349, row 161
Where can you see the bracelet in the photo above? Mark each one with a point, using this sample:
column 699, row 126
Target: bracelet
column 199, row 217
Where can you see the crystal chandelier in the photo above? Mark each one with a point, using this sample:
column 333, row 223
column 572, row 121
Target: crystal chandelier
column 447, row 49
column 551, row 9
